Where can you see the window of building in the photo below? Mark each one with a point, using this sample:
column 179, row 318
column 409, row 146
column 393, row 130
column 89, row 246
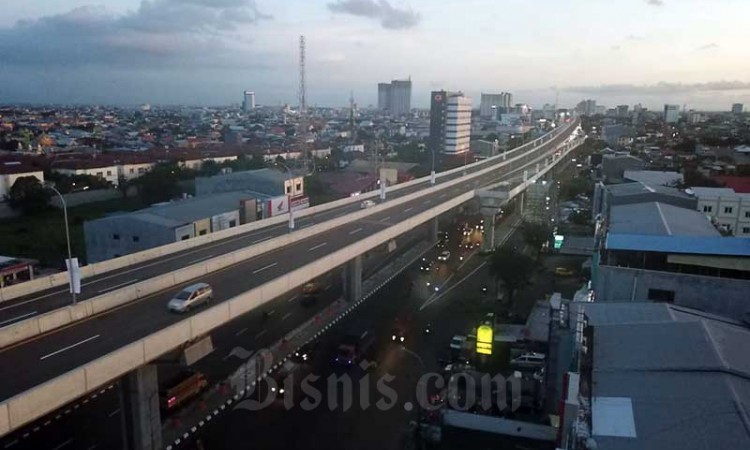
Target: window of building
column 116, row 237
column 728, row 210
column 109, row 173
column 745, row 230
column 299, row 187
column 185, row 237
column 202, row 232
column 100, row 174
column 141, row 170
column 707, row 208
column 232, row 223
column 288, row 189
column 136, row 238
column 661, row 295
column 747, row 214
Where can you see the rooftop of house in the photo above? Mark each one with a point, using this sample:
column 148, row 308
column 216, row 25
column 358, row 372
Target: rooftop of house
column 656, row 218
column 665, row 377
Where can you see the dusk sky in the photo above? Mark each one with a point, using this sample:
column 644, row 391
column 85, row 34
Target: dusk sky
column 206, row 52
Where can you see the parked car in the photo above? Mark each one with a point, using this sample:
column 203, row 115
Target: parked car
column 444, row 255
column 529, row 360
column 367, row 204
column 190, row 297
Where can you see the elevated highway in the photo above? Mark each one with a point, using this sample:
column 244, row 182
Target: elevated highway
column 78, row 356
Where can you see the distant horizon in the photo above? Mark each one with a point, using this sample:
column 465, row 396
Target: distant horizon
column 206, row 52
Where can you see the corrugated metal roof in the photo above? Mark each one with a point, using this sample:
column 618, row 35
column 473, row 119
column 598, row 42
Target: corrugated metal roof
column 656, row 218
column 694, row 245
column 687, row 376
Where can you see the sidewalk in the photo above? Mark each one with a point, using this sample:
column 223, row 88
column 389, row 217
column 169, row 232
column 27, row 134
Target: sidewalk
column 180, row 427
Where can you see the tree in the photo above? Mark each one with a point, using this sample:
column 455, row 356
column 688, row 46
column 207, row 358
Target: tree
column 535, row 235
column 28, row 195
column 572, row 187
column 209, row 168
column 158, row 184
column 512, row 268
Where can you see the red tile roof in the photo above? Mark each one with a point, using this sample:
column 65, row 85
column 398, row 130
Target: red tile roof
column 740, row 185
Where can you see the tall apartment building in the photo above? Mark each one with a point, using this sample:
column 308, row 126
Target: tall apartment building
column 492, row 104
column 248, row 101
column 450, row 122
column 671, row 113
column 737, row 108
column 395, row 97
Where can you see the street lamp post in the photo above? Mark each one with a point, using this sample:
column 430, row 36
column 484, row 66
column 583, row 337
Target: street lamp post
column 289, row 197
column 67, row 238
column 432, row 173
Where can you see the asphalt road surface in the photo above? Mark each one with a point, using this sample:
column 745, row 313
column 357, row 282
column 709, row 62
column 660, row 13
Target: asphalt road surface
column 50, row 355
column 95, row 422
column 50, row 299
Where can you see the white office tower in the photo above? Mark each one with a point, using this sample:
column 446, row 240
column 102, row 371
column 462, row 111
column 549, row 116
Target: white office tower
column 457, row 124
column 248, row 101
column 493, row 104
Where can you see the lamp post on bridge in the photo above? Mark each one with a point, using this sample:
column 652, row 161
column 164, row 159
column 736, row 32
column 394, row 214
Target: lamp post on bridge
column 69, row 263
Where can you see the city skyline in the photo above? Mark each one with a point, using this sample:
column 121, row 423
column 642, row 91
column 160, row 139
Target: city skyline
column 202, row 52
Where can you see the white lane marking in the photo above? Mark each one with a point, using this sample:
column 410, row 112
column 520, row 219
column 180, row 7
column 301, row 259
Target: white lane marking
column 286, row 316
column 22, row 316
column 200, row 259
column 110, row 288
column 155, row 263
column 264, row 268
column 241, row 332
column 408, row 209
column 291, row 299
column 63, row 444
column 69, row 347
column 433, row 299
column 261, row 239
column 385, row 219
column 114, row 412
column 355, row 231
column 323, row 244
column 260, row 334
column 11, row 444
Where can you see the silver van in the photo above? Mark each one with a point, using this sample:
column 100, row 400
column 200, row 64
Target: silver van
column 529, row 361
column 191, row 297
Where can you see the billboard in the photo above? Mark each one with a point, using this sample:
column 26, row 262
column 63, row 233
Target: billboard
column 277, row 206
column 484, row 339
column 299, row 202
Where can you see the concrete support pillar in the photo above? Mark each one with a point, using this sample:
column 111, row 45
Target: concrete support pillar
column 353, row 279
column 432, row 230
column 139, row 398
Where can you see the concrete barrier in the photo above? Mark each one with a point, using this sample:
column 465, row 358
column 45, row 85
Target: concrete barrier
column 40, row 400
column 119, row 297
column 22, row 289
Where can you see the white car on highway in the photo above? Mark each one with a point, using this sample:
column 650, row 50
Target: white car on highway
column 367, row 204
column 190, row 297
column 444, row 255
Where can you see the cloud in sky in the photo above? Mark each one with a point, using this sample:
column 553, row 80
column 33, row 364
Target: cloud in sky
column 389, row 16
column 158, row 33
column 662, row 88
column 655, row 2
column 709, row 46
